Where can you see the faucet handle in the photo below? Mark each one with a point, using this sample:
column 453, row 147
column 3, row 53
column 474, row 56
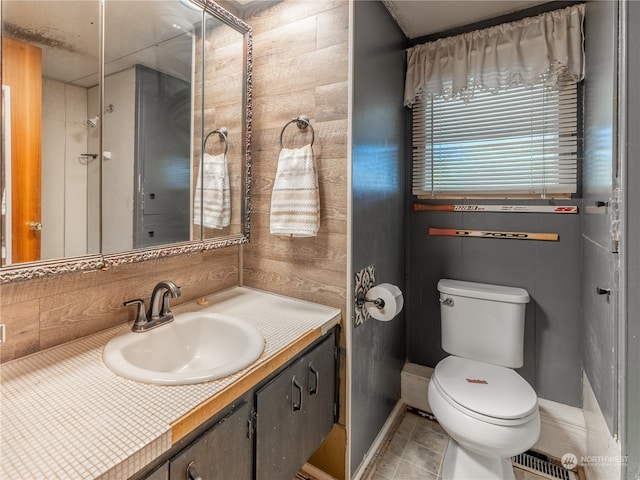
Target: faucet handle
column 141, row 317
column 165, row 309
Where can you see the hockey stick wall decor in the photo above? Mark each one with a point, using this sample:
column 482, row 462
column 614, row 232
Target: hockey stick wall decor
column 428, row 207
column 452, row 232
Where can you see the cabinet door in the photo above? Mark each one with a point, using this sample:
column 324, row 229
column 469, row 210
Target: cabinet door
column 321, row 373
column 279, row 407
column 294, row 413
column 224, row 452
column 160, row 473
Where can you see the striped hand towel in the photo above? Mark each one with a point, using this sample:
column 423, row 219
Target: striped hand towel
column 214, row 191
column 295, row 200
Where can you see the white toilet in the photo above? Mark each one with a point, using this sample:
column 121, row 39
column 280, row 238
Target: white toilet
column 489, row 411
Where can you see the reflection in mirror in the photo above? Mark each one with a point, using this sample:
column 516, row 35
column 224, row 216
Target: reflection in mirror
column 49, row 60
column 223, row 154
column 154, row 162
column 115, row 163
column 149, row 74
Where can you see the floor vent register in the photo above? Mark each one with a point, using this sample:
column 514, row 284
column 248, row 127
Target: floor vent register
column 540, row 465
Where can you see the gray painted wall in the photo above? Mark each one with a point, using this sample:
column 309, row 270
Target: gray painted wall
column 600, row 332
column 549, row 271
column 378, row 351
column 568, row 326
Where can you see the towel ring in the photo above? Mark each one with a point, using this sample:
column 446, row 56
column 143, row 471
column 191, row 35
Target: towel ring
column 222, row 132
column 302, row 122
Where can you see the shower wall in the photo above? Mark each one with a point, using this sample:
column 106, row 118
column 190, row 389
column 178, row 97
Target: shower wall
column 64, row 171
column 118, row 132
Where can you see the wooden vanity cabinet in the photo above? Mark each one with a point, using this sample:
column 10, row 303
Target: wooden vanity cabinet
column 160, row 473
column 267, row 434
column 295, row 412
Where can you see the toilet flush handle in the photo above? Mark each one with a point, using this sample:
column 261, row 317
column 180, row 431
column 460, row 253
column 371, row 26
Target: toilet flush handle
column 446, row 301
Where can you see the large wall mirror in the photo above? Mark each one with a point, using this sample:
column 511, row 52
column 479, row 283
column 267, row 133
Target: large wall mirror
column 126, row 132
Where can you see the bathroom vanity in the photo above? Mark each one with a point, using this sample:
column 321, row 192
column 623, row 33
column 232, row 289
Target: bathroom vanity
column 66, row 415
column 274, row 428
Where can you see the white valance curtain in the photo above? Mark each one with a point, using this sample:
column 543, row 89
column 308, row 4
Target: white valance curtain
column 525, row 52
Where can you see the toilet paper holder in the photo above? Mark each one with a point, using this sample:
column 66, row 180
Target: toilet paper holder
column 362, row 299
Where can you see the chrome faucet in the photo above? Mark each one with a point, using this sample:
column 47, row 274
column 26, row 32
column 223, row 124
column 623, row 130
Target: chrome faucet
column 159, row 311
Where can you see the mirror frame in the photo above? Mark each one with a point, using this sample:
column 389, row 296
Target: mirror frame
column 48, row 268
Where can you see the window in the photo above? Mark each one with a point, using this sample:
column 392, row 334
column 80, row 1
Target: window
column 519, row 142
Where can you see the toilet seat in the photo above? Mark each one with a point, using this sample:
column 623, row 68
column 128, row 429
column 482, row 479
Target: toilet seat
column 490, row 393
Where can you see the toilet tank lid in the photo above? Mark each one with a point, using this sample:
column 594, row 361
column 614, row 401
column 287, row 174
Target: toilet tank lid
column 483, row 291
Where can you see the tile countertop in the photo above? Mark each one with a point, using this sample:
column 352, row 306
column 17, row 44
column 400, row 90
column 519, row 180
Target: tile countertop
column 64, row 414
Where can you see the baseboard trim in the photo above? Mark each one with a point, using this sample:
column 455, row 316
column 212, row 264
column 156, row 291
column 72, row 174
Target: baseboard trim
column 414, row 380
column 562, row 427
column 369, row 458
column 603, row 458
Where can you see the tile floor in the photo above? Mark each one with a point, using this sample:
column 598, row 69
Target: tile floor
column 415, row 451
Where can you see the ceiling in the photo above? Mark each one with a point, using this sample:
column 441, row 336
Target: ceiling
column 418, row 18
column 67, row 33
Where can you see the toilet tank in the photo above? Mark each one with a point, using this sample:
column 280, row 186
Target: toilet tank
column 483, row 322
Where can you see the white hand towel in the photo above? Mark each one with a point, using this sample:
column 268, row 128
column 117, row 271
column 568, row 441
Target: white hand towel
column 214, row 191
column 295, row 199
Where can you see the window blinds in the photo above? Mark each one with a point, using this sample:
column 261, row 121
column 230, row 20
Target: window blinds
column 521, row 141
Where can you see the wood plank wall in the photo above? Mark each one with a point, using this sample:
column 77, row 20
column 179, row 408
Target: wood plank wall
column 223, row 97
column 300, row 66
column 42, row 313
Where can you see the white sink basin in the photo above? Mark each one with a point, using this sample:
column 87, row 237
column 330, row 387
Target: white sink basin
column 195, row 347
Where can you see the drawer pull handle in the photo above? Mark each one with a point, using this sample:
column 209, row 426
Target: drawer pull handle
column 296, row 393
column 313, row 388
column 192, row 473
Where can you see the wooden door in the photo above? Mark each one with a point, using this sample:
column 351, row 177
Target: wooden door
column 22, row 71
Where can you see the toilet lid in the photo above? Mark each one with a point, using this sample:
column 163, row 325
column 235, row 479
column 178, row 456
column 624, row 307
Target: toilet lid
column 489, row 390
